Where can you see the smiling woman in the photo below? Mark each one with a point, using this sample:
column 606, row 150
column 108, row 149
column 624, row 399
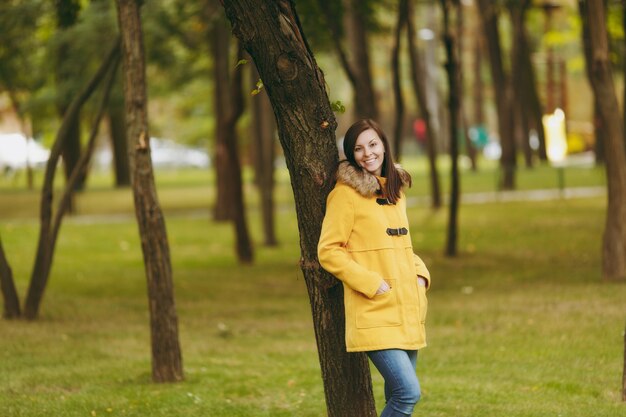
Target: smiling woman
column 365, row 242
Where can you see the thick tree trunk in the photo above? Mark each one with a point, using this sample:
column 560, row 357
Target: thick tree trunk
column 166, row 355
column 418, row 78
column 263, row 130
column 397, row 85
column 502, row 89
column 7, row 285
column 614, row 242
column 454, row 107
column 119, row 144
column 271, row 33
column 45, row 245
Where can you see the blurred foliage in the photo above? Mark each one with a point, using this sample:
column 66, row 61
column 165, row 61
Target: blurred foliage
column 179, row 61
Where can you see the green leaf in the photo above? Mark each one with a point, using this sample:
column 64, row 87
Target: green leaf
column 241, row 62
column 338, row 107
column 259, row 87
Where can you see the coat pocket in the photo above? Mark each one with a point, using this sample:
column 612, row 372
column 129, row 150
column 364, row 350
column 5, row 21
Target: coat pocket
column 380, row 311
column 421, row 292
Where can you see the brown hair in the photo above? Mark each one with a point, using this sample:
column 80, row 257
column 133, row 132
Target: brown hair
column 393, row 186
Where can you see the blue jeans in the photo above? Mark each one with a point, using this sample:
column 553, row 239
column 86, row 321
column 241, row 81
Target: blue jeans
column 402, row 388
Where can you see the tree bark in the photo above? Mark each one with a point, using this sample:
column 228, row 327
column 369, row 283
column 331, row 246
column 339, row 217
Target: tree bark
column 418, row 78
column 67, row 12
column 526, row 81
column 229, row 106
column 45, row 245
column 502, row 89
column 271, row 33
column 357, row 66
column 119, row 144
column 454, row 108
column 614, row 240
column 365, row 102
column 263, row 130
column 7, row 285
column 220, row 39
column 624, row 371
column 166, row 355
column 397, row 85
column 244, row 250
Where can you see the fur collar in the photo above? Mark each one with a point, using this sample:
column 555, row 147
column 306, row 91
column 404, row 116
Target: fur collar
column 362, row 181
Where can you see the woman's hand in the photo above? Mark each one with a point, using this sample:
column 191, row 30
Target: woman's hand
column 384, row 287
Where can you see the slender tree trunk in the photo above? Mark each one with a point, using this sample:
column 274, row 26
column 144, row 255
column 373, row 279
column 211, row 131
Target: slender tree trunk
column 614, row 241
column 366, row 104
column 167, row 363
column 527, row 85
column 454, row 107
column 119, row 144
column 598, row 127
column 220, row 48
column 418, row 78
column 244, row 249
column 397, row 85
column 7, row 285
column 502, row 88
column 271, row 33
column 263, row 129
column 67, row 12
column 229, row 106
column 520, row 101
column 45, row 245
column 624, row 371
column 463, row 126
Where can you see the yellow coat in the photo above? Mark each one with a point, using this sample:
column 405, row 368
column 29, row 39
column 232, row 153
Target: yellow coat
column 356, row 247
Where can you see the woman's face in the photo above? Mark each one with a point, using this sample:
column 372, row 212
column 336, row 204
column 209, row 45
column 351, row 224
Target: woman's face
column 369, row 152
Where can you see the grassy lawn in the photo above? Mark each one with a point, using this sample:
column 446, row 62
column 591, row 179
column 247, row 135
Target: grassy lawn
column 520, row 323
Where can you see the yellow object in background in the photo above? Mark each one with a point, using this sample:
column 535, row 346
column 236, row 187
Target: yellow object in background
column 556, row 137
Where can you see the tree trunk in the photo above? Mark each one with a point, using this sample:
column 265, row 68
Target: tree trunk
column 7, row 285
column 166, row 355
column 418, row 78
column 614, row 241
column 624, row 371
column 463, row 126
column 228, row 109
column 263, row 129
column 119, row 144
column 501, row 85
column 529, row 97
column 67, row 12
column 520, row 101
column 454, row 107
column 244, row 249
column 45, row 245
column 220, row 38
column 397, row 85
column 597, row 119
column 365, row 102
column 271, row 33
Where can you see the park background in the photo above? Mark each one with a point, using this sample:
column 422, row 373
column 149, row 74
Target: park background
column 521, row 321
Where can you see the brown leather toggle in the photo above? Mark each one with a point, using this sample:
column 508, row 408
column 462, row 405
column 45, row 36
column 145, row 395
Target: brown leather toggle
column 397, row 232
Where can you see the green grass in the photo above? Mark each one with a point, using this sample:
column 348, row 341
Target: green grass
column 520, row 323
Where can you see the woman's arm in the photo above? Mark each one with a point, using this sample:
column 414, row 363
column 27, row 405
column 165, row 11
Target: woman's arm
column 331, row 249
